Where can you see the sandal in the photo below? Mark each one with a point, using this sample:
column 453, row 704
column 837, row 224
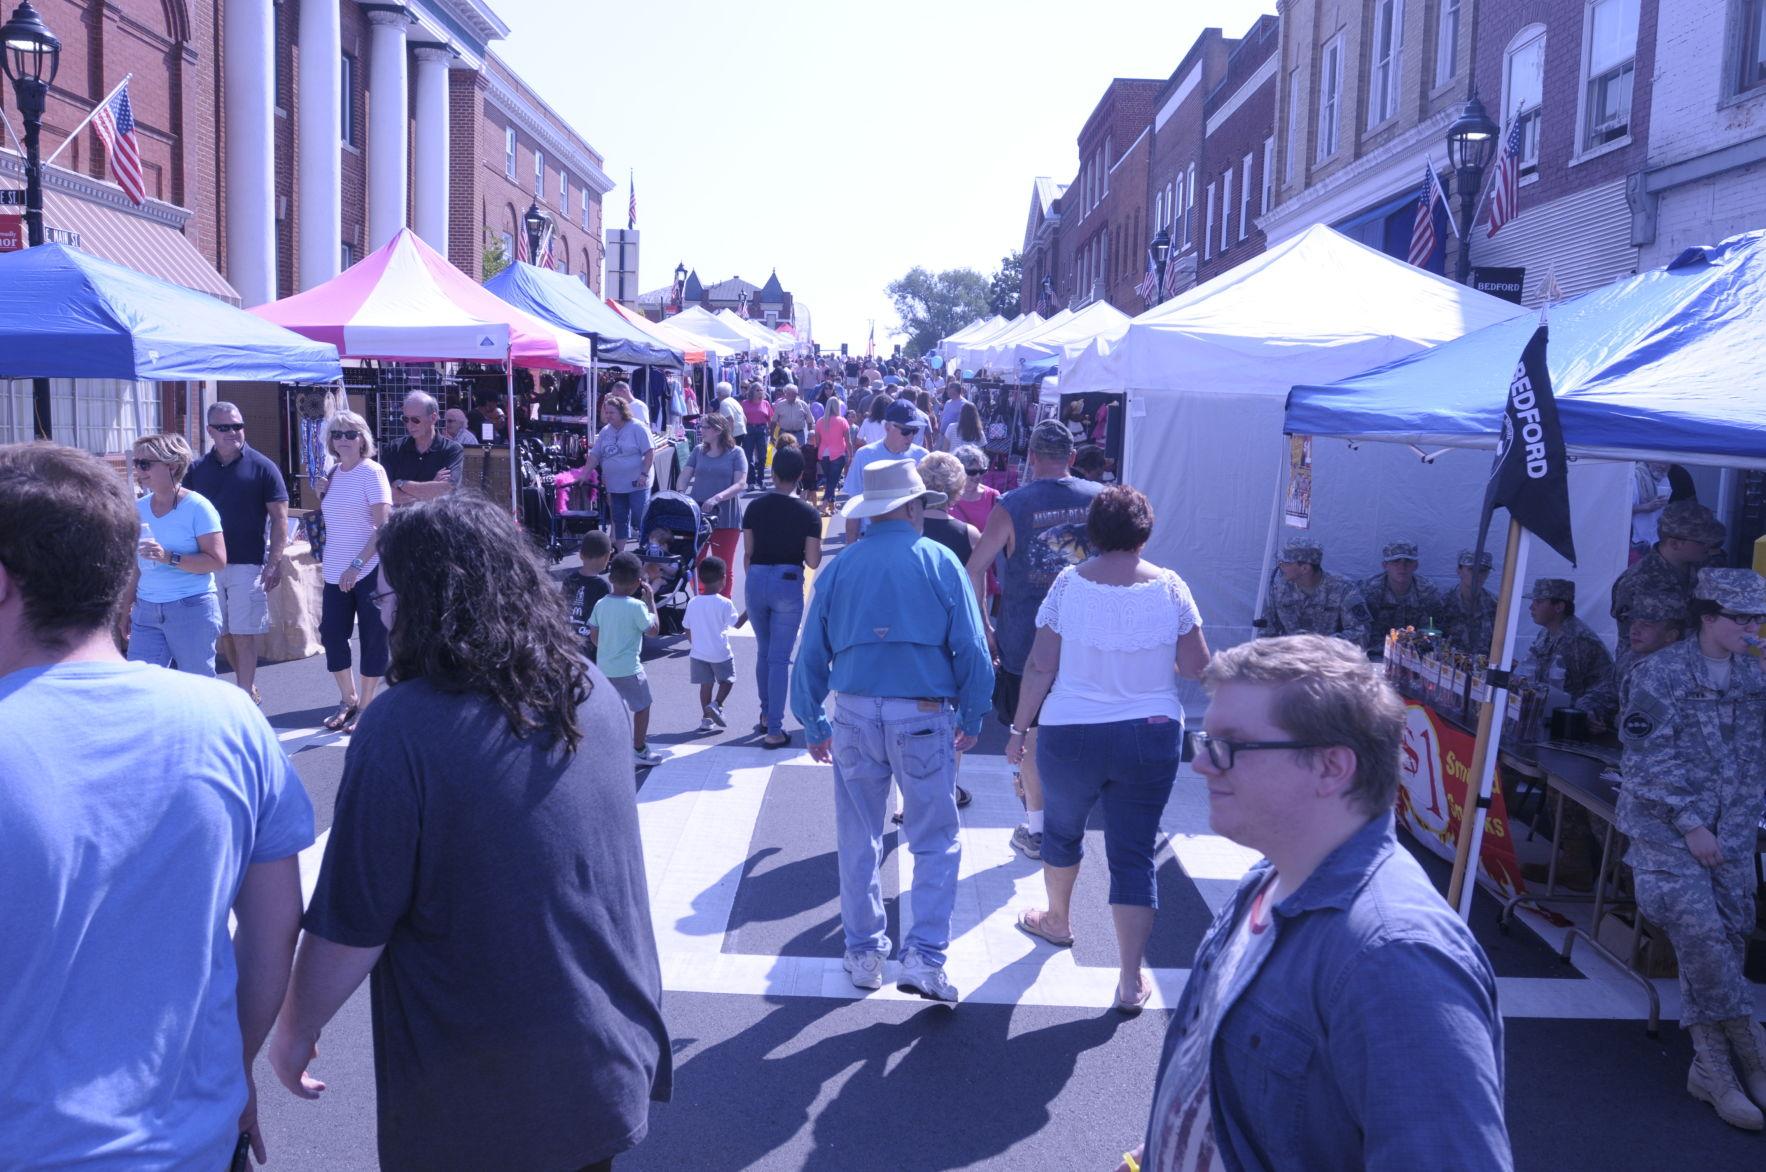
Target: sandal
column 769, row 743
column 345, row 714
column 1131, row 1008
column 1033, row 927
column 256, row 696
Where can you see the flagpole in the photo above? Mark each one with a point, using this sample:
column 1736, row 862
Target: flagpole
column 1490, row 721
column 1441, row 192
column 1489, row 178
column 13, row 134
column 90, row 114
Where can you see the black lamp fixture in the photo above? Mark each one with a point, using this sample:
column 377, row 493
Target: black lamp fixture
column 1048, row 292
column 537, row 222
column 680, row 289
column 1471, row 141
column 742, row 303
column 30, row 55
column 1160, row 248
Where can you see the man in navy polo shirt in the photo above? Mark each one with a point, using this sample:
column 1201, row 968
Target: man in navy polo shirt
column 422, row 464
column 246, row 488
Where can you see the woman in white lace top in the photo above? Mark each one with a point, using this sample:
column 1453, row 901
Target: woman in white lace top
column 1112, row 637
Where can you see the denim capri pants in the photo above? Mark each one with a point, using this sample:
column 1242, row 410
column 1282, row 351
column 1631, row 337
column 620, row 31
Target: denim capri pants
column 1129, row 766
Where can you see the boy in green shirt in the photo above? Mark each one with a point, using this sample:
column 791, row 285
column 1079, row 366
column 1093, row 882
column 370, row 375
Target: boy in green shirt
column 617, row 627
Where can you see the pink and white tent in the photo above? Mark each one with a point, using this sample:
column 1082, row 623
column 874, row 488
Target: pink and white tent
column 406, row 302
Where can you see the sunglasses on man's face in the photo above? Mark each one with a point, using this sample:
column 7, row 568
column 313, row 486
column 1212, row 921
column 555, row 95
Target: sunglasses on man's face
column 349, row 435
column 226, row 427
column 1746, row 620
column 144, row 465
column 416, row 419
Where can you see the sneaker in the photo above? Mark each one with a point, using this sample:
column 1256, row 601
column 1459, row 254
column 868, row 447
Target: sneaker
column 1030, row 844
column 964, row 797
column 713, row 712
column 919, row 977
column 646, row 757
column 866, row 969
column 705, row 725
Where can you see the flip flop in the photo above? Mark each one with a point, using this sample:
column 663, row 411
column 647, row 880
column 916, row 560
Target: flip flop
column 336, row 721
column 1029, row 928
column 1133, row 1007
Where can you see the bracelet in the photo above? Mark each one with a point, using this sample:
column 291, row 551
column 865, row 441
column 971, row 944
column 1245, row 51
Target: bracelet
column 1016, row 731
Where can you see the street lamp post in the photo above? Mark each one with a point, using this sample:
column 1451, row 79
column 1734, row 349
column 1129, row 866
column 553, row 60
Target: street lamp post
column 30, row 55
column 742, row 303
column 1470, row 141
column 680, row 289
column 1048, row 293
column 536, row 221
column 1160, row 247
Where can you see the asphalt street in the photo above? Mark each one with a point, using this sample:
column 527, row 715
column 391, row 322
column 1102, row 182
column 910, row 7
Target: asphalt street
column 781, row 1064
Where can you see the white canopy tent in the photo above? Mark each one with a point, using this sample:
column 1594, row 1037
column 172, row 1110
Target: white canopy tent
column 973, row 355
column 975, row 329
column 1100, row 319
column 994, row 330
column 697, row 320
column 763, row 340
column 1206, row 379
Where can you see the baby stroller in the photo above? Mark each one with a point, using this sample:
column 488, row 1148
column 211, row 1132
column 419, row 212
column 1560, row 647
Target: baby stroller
column 674, row 563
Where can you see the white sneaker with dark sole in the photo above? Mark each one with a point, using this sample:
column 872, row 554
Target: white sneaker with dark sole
column 918, row 977
column 865, row 968
column 646, row 757
column 714, row 712
column 705, row 725
column 1030, row 844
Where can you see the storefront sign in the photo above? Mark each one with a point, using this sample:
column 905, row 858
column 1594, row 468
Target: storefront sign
column 1500, row 282
column 1434, row 774
column 12, row 233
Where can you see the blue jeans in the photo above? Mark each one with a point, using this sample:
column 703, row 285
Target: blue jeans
column 754, row 447
column 833, row 472
column 1128, row 764
column 181, row 633
column 774, row 595
column 875, row 738
column 628, row 511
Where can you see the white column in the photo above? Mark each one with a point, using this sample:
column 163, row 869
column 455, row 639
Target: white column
column 321, row 133
column 387, row 134
column 430, row 170
column 248, row 85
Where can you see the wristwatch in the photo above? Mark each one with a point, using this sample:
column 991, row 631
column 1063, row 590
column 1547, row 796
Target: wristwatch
column 172, row 559
column 355, row 563
column 399, row 484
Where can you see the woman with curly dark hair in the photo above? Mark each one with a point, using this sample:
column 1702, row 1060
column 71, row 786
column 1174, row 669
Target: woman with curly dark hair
column 484, row 862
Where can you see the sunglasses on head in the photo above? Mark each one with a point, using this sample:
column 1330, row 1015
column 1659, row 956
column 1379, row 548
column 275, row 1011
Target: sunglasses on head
column 346, row 435
column 144, row 465
column 226, row 427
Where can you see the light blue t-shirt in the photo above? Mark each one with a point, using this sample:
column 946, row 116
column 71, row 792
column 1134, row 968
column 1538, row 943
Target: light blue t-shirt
column 132, row 798
column 192, row 517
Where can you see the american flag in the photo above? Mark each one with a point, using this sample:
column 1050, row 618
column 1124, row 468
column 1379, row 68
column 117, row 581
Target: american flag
column 1505, row 194
column 1172, row 276
column 115, row 124
column 631, row 204
column 1422, row 234
column 521, row 245
column 547, row 260
column 1149, row 286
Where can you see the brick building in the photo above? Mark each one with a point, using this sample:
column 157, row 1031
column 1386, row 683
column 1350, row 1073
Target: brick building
column 1238, row 153
column 1103, row 231
column 1176, row 147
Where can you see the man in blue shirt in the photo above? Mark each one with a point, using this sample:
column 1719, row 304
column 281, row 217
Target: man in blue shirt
column 903, row 426
column 894, row 632
column 1336, row 977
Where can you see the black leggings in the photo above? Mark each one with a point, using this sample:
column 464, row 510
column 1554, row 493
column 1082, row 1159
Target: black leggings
column 340, row 611
column 754, row 446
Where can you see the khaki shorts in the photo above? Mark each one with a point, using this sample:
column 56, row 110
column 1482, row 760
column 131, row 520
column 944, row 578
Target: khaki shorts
column 704, row 671
column 245, row 607
column 634, row 690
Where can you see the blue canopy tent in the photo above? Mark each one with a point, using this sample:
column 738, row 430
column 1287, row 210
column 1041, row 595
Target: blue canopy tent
column 1667, row 365
column 65, row 313
column 570, row 305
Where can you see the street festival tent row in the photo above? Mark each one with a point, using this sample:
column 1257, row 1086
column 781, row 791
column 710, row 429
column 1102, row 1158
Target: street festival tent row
column 693, row 349
column 973, row 355
column 768, row 341
column 973, row 330
column 1666, row 365
column 570, row 305
column 988, row 330
column 698, row 320
column 1206, row 377
column 405, row 302
column 1100, row 319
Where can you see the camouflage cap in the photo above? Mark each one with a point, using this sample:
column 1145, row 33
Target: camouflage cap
column 1687, row 519
column 1658, row 608
column 1302, row 549
column 1713, row 532
column 1738, row 591
column 1399, row 551
column 1471, row 557
column 1561, row 589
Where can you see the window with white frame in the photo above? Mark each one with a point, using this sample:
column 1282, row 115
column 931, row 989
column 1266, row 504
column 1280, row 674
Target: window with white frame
column 1752, row 71
column 1608, row 65
column 1159, row 206
column 1330, row 97
column 1245, row 196
column 1267, row 196
column 564, row 190
column 1523, row 84
column 585, row 199
column 1387, row 61
column 1447, row 42
column 1208, row 225
column 348, row 256
column 1226, row 206
column 539, row 174
column 1293, row 117
column 349, row 100
column 509, row 151
column 1189, row 208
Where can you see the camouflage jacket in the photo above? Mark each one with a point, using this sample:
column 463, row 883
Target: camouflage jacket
column 1389, row 612
column 1694, row 756
column 1334, row 607
column 1588, row 666
column 1468, row 629
column 1652, row 575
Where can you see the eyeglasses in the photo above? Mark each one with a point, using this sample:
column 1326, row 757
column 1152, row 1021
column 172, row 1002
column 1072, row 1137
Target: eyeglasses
column 977, row 470
column 416, row 419
column 1746, row 620
column 349, row 435
column 144, row 465
column 1221, row 751
column 226, row 427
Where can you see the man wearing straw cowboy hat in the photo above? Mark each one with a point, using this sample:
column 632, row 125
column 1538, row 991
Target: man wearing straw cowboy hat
column 894, row 632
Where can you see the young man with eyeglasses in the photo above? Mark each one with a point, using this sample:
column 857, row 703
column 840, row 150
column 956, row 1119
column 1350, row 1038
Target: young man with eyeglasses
column 247, row 490
column 423, row 464
column 1694, row 731
column 1336, row 976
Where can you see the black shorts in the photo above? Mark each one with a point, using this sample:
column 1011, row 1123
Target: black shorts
column 1006, row 686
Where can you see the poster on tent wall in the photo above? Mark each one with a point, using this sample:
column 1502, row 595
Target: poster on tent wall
column 1297, row 504
column 1433, row 773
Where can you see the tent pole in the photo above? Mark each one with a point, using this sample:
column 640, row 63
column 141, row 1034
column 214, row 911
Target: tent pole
column 509, row 390
column 1490, row 718
column 1275, row 521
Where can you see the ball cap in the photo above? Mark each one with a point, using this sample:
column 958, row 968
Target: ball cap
column 1685, row 519
column 1051, row 437
column 1399, row 551
column 1302, row 549
column 1560, row 589
column 1739, row 591
column 1471, row 557
column 904, row 415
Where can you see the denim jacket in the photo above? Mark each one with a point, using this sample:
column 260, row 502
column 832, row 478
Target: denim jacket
column 893, row 615
column 1368, row 1037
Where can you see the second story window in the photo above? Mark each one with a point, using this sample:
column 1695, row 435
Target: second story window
column 1447, row 42
column 1387, row 67
column 1753, row 45
column 349, row 102
column 509, row 151
column 564, row 191
column 1523, row 87
column 1330, row 97
column 539, row 174
column 1609, row 63
column 585, row 198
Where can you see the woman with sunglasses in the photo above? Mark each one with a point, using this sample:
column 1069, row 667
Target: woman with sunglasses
column 1120, row 631
column 356, row 499
column 175, row 616
column 974, row 503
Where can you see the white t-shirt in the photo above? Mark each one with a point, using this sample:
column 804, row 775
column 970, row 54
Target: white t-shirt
column 1118, row 647
column 349, row 519
column 708, row 620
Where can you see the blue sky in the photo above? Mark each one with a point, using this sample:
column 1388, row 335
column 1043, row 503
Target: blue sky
column 841, row 143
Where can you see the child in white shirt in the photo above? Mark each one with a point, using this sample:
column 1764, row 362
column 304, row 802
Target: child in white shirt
column 709, row 619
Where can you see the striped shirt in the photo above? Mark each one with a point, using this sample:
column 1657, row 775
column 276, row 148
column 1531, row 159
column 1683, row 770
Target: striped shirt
column 349, row 517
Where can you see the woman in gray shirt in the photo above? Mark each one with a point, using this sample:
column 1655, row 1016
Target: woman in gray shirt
column 715, row 475
column 623, row 453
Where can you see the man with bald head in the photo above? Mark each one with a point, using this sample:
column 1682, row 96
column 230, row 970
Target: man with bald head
column 423, row 464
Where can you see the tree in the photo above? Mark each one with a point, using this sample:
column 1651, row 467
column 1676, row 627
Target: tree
column 934, row 305
column 495, row 257
column 1004, row 293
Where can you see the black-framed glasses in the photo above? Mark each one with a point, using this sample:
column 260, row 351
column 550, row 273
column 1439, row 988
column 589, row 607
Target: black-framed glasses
column 144, row 465
column 349, row 435
column 226, row 427
column 1221, row 751
column 1746, row 620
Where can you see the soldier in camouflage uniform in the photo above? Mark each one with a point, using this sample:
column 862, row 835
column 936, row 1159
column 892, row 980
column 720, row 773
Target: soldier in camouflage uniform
column 1694, row 731
column 1396, row 598
column 1467, row 616
column 1687, row 531
column 1566, row 653
column 1303, row 598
